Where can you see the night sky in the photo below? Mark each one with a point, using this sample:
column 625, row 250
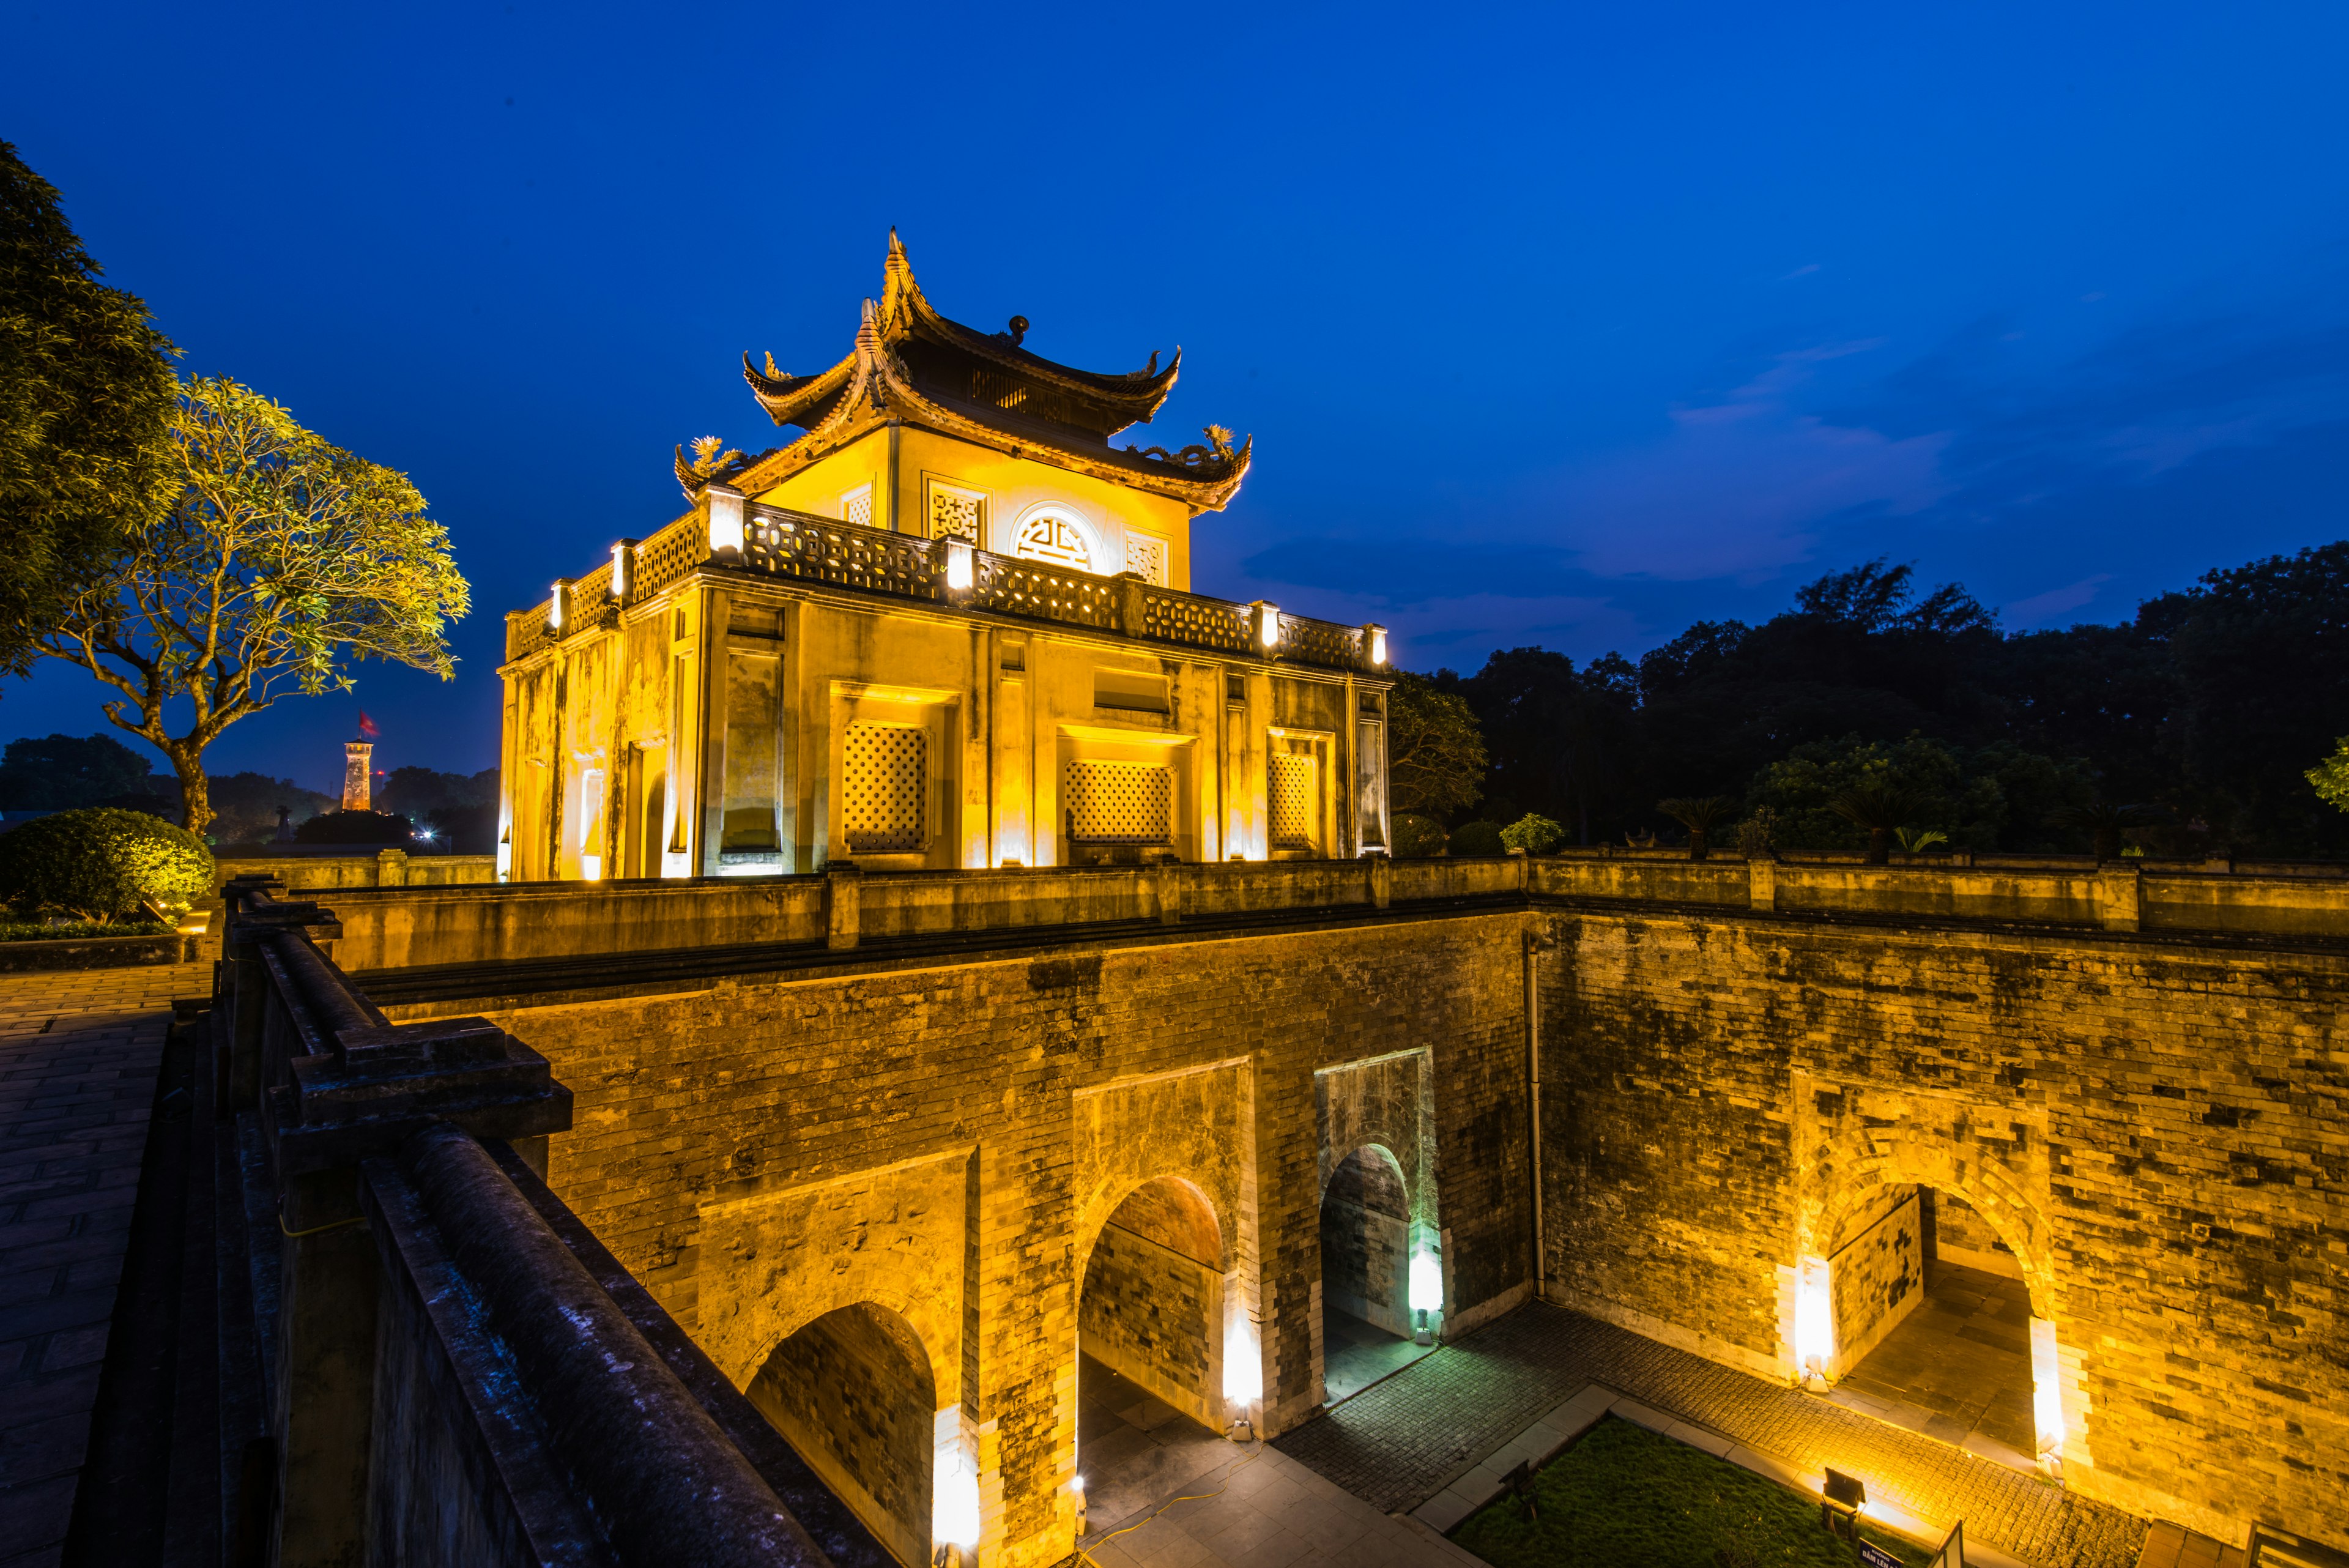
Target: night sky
column 1566, row 327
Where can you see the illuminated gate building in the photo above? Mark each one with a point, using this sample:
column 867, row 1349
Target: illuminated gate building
column 948, row 626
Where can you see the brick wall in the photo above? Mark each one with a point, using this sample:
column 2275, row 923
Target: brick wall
column 846, row 1112
column 1878, row 1278
column 2160, row 1132
column 1155, row 1316
column 1366, row 1242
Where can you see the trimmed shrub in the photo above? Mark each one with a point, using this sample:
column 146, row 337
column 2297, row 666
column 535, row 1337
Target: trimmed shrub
column 1416, row 838
column 356, row 828
column 1478, row 838
column 97, row 864
column 1534, row 835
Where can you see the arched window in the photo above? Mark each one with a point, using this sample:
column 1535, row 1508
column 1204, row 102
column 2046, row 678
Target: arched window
column 1058, row 538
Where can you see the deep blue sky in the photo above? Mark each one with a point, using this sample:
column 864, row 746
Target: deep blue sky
column 1567, row 326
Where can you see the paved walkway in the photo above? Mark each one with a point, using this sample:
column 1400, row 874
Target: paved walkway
column 79, row 1057
column 1400, row 1443
column 1957, row 1368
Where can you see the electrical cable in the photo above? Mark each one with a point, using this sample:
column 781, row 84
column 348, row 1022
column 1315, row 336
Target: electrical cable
column 1086, row 1553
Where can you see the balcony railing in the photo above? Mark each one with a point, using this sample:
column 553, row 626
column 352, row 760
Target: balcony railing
column 778, row 543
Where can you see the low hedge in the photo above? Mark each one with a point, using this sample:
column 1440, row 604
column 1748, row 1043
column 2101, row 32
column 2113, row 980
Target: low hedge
column 99, row 864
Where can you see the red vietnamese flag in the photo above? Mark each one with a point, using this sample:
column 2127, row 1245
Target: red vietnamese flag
column 367, row 725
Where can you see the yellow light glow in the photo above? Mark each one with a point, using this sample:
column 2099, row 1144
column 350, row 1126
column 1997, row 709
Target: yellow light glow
column 1815, row 1345
column 619, row 571
column 959, row 565
column 725, row 519
column 954, row 1500
column 554, row 605
column 591, row 867
column 1378, row 645
column 1243, row 1372
column 2046, row 1387
column 1267, row 626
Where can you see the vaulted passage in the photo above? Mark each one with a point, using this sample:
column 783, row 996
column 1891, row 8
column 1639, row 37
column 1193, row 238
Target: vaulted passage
column 1366, row 1325
column 853, row 1393
column 1149, row 1328
column 1933, row 1322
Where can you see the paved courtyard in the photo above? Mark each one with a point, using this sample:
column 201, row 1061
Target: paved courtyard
column 1958, row 1368
column 1355, row 1355
column 78, row 1058
column 1400, row 1443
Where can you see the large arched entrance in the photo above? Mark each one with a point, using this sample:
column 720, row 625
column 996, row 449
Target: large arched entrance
column 1151, row 1326
column 1933, row 1321
column 851, row 1392
column 1366, row 1323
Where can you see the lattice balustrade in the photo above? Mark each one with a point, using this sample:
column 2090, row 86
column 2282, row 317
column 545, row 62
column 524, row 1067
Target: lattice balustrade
column 1309, row 642
column 1295, row 802
column 883, row 772
column 1027, row 588
column 527, row 632
column 1201, row 622
column 1119, row 803
column 867, row 558
column 670, row 555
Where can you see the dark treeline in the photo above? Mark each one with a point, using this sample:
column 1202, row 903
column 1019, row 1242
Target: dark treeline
column 2204, row 712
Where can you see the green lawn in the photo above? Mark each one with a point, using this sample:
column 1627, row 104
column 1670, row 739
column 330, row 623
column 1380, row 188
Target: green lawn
column 1625, row 1495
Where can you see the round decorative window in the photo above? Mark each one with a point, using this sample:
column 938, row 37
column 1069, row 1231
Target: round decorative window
column 1057, row 538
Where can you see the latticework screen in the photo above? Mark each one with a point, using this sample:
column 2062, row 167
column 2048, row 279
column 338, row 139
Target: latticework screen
column 953, row 513
column 856, row 507
column 1296, row 801
column 1146, row 554
column 884, row 769
column 1119, row 803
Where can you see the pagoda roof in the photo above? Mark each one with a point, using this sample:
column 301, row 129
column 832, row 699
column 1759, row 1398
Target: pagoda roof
column 911, row 363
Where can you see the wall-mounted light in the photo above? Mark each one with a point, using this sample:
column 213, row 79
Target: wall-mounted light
column 1815, row 1334
column 1077, row 1492
column 725, row 519
column 1426, row 1294
column 1374, row 638
column 2047, row 1394
column 558, row 608
column 624, row 567
column 1243, row 1375
column 960, row 566
column 953, row 1500
column 1268, row 625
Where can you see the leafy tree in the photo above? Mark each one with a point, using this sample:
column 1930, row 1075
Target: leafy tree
column 2330, row 778
column 2105, row 823
column 67, row 771
column 1435, row 752
column 1697, row 814
column 1560, row 739
column 84, row 414
column 2261, row 654
column 1852, row 794
column 1416, row 838
column 100, row 864
column 284, row 560
column 1534, row 835
column 247, row 805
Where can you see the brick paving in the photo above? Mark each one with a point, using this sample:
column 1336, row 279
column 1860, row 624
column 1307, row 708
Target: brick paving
column 1400, row 1443
column 79, row 1052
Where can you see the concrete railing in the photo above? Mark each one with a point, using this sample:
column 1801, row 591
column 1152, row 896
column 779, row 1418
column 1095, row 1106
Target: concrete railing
column 357, row 868
column 453, row 1371
column 407, row 927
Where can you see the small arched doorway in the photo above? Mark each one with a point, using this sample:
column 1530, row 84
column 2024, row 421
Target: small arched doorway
column 1366, row 1320
column 1150, row 1341
column 1933, row 1321
column 851, row 1391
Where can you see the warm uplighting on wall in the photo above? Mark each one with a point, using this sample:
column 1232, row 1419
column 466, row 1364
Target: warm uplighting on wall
column 1244, row 1372
column 1377, row 637
column 725, row 519
column 558, row 605
column 2047, row 1393
column 620, row 569
column 591, row 867
column 1268, row 625
column 953, row 1500
column 960, row 566
column 1813, row 1320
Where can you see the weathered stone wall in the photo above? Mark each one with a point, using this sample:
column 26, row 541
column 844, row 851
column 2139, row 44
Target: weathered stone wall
column 1962, row 1236
column 851, row 1394
column 741, row 1146
column 1878, row 1278
column 1155, row 1316
column 2159, row 1131
column 1366, row 1242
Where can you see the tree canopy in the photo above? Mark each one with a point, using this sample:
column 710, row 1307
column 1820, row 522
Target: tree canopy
column 2204, row 713
column 84, row 414
column 284, row 561
column 62, row 772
